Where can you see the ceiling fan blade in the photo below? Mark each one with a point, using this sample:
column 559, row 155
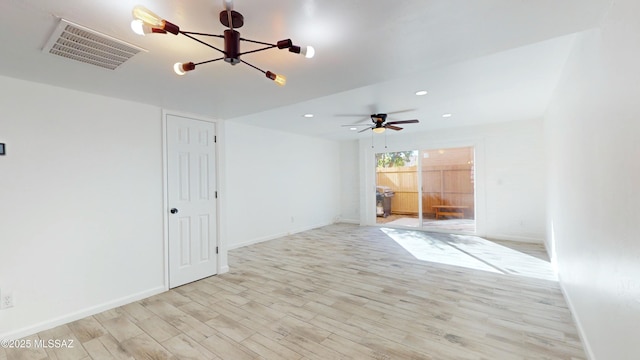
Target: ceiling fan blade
column 363, row 130
column 400, row 111
column 396, row 128
column 362, row 117
column 403, row 122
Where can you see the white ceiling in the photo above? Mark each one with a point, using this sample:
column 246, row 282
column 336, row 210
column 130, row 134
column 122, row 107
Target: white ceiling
column 480, row 60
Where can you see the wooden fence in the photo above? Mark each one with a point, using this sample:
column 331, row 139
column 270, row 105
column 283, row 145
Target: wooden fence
column 441, row 185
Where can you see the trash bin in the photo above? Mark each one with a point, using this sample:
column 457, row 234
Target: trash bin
column 383, row 200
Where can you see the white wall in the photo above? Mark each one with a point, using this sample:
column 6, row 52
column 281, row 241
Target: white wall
column 80, row 204
column 81, row 221
column 515, row 179
column 510, row 174
column 349, row 182
column 277, row 183
column 592, row 128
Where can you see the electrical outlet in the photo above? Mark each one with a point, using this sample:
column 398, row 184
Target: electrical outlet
column 6, row 300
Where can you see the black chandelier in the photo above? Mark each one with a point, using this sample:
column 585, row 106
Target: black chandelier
column 146, row 22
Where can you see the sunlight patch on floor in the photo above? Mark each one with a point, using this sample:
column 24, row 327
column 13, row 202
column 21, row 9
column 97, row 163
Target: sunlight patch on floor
column 408, row 221
column 471, row 252
column 457, row 225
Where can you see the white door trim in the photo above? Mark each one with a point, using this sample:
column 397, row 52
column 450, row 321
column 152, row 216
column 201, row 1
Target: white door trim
column 222, row 263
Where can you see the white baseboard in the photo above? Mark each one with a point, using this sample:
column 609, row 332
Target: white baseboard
column 65, row 319
column 518, row 238
column 348, row 221
column 583, row 336
column 274, row 236
column 307, row 228
column 224, row 269
column 255, row 241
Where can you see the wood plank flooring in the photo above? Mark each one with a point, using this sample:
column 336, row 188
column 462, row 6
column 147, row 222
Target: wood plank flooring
column 337, row 292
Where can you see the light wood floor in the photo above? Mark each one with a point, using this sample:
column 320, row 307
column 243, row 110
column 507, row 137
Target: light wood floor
column 429, row 224
column 339, row 292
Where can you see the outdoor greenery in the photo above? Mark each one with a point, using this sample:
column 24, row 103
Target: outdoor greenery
column 395, row 159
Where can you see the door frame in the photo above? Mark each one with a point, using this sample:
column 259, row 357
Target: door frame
column 368, row 173
column 221, row 261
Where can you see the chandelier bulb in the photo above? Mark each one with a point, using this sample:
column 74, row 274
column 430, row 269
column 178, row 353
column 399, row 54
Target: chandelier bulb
column 308, row 52
column 140, row 28
column 149, row 18
column 182, row 68
column 280, row 80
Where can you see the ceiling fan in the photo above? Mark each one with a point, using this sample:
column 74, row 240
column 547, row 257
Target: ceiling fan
column 380, row 123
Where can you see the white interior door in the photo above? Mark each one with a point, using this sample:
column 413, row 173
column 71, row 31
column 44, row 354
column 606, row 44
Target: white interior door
column 191, row 186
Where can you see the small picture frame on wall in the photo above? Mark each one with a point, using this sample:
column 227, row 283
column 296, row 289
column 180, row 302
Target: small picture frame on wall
column 2, row 149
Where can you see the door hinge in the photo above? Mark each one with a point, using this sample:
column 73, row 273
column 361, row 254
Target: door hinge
column 215, row 139
column 216, row 249
column 216, row 194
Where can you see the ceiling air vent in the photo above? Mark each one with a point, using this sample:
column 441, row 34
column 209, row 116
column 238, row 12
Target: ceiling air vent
column 79, row 43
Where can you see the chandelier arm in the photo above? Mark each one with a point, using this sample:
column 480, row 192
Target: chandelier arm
column 208, row 61
column 261, row 49
column 203, row 43
column 203, row 34
column 255, row 67
column 258, row 42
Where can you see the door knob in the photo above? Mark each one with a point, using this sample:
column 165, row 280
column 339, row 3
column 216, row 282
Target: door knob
column 174, row 211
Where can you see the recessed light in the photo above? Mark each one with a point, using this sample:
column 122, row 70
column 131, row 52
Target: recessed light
column 421, row 92
column 308, row 115
column 352, row 129
column 446, row 115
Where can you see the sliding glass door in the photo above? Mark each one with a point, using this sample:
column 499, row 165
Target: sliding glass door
column 448, row 189
column 431, row 189
column 397, row 188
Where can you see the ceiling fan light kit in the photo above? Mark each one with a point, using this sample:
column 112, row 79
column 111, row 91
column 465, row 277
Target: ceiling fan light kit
column 147, row 22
